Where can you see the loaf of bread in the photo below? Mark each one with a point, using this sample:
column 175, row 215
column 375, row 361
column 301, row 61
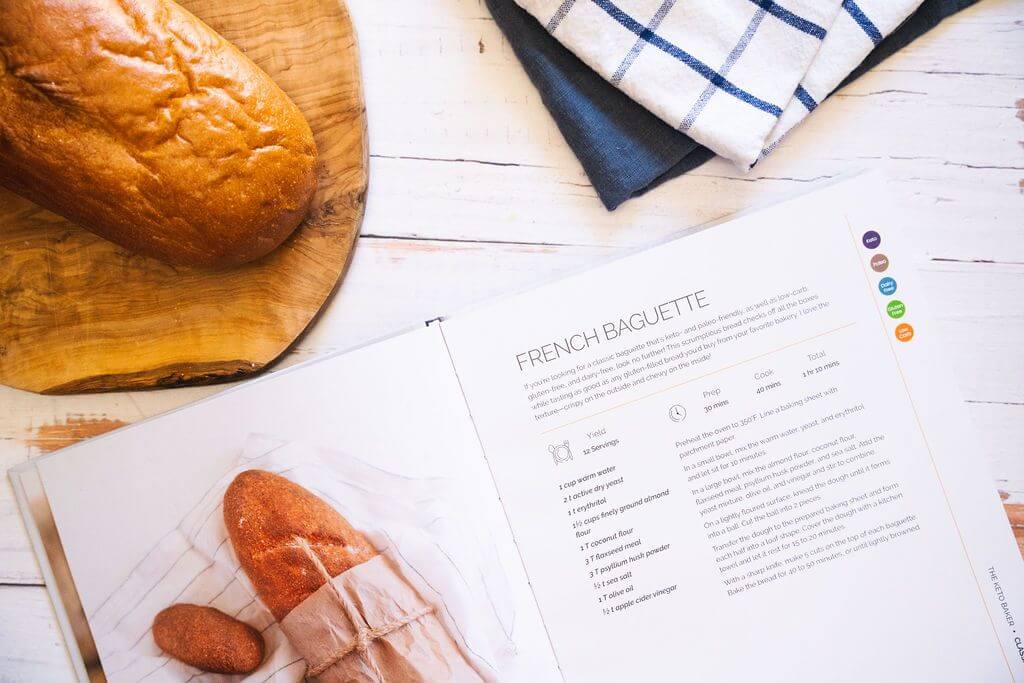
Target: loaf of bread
column 288, row 540
column 208, row 639
column 140, row 123
column 347, row 609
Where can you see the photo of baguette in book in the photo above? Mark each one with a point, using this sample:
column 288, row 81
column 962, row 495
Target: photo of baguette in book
column 343, row 606
column 302, row 561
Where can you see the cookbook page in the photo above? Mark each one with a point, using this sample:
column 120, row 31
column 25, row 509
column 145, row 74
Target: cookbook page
column 382, row 437
column 737, row 456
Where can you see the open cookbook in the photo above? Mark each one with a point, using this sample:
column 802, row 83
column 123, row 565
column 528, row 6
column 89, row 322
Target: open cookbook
column 735, row 456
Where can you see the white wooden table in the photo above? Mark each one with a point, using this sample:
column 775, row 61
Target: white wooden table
column 473, row 193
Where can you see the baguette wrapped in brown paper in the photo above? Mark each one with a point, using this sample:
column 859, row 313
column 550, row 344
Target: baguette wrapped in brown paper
column 344, row 607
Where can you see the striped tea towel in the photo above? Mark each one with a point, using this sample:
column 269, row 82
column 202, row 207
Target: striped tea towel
column 735, row 75
column 857, row 30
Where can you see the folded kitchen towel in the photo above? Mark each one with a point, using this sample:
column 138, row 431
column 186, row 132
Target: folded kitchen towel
column 721, row 71
column 858, row 28
column 623, row 148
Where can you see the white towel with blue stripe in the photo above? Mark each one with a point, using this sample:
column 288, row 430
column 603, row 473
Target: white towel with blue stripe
column 735, row 75
column 857, row 29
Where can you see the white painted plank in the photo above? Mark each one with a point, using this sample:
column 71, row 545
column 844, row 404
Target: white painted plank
column 964, row 213
column 980, row 316
column 1000, row 430
column 31, row 646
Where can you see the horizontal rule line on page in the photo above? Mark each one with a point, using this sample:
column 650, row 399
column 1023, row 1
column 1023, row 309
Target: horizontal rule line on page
column 699, row 377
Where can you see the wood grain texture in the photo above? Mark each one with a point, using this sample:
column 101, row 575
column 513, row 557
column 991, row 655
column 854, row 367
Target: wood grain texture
column 78, row 313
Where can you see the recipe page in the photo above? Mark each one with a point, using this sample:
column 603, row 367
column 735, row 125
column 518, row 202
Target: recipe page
column 737, row 456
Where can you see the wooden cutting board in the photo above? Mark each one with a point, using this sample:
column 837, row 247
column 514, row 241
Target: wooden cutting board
column 78, row 313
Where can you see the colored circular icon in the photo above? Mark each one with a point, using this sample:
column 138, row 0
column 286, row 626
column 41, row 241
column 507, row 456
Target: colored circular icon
column 879, row 263
column 904, row 332
column 887, row 286
column 896, row 309
column 871, row 239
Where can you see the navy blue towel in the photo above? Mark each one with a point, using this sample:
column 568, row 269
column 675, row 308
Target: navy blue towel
column 625, row 149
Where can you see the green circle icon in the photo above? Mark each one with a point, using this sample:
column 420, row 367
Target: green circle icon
column 896, row 309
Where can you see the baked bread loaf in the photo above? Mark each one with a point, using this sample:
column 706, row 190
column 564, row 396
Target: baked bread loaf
column 343, row 606
column 281, row 533
column 140, row 123
column 208, row 639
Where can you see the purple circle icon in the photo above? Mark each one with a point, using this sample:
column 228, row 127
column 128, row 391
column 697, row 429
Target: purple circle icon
column 871, row 239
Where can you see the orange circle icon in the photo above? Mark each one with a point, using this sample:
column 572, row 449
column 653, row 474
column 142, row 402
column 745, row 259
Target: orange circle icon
column 904, row 332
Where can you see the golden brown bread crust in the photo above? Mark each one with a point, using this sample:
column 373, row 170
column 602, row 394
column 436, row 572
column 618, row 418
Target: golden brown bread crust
column 286, row 538
column 208, row 639
column 140, row 123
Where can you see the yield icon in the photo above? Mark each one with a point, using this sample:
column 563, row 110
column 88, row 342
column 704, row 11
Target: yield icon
column 560, row 452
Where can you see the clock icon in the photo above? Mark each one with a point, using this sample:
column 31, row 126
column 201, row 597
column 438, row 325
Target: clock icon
column 677, row 413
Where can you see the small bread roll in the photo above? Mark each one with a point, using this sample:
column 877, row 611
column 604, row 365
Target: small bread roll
column 208, row 639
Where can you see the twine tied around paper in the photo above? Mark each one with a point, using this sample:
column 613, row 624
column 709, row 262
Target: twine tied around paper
column 364, row 634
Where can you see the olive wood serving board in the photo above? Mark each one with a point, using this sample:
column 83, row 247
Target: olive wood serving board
column 78, row 313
